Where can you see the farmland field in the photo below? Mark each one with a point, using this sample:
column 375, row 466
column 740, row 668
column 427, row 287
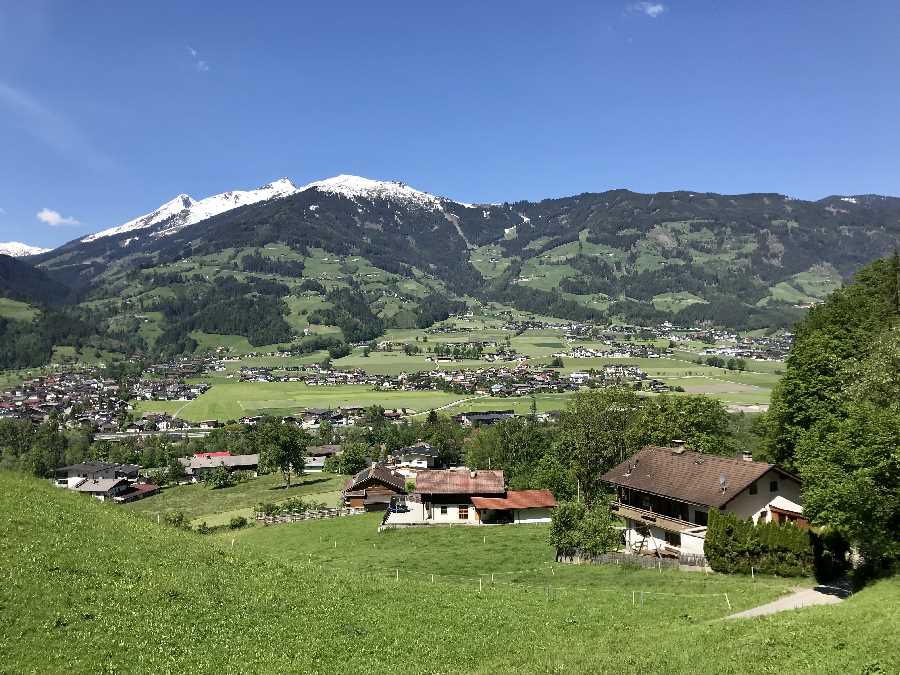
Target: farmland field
column 89, row 587
column 200, row 503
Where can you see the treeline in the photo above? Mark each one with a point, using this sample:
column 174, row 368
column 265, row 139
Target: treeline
column 224, row 306
column 352, row 313
column 30, row 344
column 435, row 308
column 256, row 262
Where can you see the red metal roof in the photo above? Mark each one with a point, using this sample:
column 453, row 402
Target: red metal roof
column 455, row 482
column 224, row 453
column 517, row 499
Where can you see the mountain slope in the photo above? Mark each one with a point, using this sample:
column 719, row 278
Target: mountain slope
column 743, row 261
column 21, row 281
column 17, row 249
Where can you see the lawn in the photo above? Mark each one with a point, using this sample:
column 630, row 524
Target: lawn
column 199, row 502
column 89, row 587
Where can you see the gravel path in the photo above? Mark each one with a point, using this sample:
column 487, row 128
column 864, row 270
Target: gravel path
column 801, row 597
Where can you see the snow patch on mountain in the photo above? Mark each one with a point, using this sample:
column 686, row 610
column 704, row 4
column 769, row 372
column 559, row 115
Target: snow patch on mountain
column 183, row 210
column 356, row 187
column 17, row 249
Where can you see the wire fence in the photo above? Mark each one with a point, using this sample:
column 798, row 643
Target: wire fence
column 482, row 582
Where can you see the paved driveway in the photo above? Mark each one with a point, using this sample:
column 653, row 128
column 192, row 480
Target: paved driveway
column 802, row 597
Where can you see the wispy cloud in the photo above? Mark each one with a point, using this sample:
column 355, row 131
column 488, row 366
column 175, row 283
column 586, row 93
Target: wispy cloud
column 651, row 9
column 55, row 218
column 2, row 211
column 51, row 128
column 199, row 64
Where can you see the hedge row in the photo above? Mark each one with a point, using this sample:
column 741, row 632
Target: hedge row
column 734, row 545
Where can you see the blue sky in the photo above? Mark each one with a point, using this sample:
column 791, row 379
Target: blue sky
column 109, row 109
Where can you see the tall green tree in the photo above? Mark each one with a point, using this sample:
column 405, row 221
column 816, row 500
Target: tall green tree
column 281, row 447
column 595, row 433
column 700, row 421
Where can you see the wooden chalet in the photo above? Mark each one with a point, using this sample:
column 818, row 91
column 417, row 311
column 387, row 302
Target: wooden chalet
column 373, row 488
column 664, row 495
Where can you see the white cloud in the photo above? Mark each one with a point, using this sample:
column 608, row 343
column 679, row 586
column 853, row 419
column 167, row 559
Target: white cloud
column 2, row 211
column 651, row 9
column 55, row 218
column 200, row 65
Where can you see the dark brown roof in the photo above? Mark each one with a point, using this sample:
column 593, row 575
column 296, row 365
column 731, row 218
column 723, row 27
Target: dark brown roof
column 687, row 476
column 455, row 482
column 377, row 473
column 517, row 499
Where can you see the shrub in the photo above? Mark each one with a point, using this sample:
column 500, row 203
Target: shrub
column 734, row 545
column 220, row 478
column 575, row 528
column 175, row 519
column 237, row 523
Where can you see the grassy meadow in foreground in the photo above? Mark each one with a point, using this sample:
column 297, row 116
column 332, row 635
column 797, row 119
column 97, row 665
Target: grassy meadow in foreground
column 88, row 587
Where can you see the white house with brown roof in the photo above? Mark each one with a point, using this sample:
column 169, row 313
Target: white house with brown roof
column 664, row 495
column 469, row 497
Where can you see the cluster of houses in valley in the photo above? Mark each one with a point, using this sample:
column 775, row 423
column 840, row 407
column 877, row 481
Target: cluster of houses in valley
column 81, row 397
column 758, row 348
column 105, row 481
column 613, row 350
column 167, row 390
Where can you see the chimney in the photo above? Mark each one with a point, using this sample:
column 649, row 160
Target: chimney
column 677, row 446
column 473, row 473
column 747, row 456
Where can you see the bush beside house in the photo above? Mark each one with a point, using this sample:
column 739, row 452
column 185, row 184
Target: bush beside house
column 734, row 545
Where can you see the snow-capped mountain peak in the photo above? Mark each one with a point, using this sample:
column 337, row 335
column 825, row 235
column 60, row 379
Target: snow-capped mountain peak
column 354, row 187
column 183, row 210
column 17, row 249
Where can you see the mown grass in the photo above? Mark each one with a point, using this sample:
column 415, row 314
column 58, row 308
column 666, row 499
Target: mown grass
column 88, row 587
column 200, row 502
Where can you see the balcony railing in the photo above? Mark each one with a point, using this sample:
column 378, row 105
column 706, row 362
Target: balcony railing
column 652, row 519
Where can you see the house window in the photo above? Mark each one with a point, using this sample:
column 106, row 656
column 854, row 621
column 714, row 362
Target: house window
column 700, row 517
column 673, row 538
column 773, row 486
column 463, row 512
column 443, row 509
column 753, row 489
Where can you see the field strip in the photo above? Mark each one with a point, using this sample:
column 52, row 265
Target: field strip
column 448, row 405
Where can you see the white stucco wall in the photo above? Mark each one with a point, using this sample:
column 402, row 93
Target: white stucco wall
column 531, row 516
column 746, row 505
column 452, row 515
column 692, row 544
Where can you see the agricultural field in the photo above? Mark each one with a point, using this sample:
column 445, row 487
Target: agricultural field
column 16, row 310
column 85, row 571
column 200, row 503
column 229, row 399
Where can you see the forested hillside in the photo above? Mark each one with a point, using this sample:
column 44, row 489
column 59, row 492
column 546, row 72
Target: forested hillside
column 376, row 255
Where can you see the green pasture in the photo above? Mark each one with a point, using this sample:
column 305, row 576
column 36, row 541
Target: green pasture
column 198, row 502
column 93, row 588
